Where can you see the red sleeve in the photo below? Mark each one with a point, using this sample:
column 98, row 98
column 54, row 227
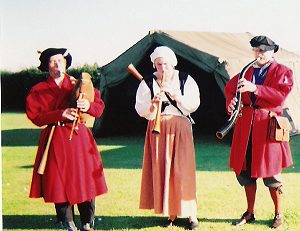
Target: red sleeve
column 37, row 111
column 276, row 93
column 96, row 107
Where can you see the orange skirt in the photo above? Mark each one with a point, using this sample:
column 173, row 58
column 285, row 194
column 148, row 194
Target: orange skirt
column 169, row 171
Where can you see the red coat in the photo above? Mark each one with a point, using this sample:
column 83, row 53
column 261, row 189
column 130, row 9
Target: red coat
column 268, row 158
column 74, row 171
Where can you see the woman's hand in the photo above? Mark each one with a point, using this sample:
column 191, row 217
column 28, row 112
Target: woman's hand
column 70, row 114
column 173, row 93
column 154, row 102
column 83, row 105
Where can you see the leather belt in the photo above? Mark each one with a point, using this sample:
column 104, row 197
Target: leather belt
column 252, row 106
column 61, row 124
column 271, row 113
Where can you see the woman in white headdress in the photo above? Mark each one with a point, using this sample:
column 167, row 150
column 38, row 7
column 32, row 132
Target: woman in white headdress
column 169, row 172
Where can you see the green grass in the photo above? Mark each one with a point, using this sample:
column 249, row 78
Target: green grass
column 220, row 198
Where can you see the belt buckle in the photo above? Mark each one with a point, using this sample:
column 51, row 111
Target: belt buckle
column 60, row 124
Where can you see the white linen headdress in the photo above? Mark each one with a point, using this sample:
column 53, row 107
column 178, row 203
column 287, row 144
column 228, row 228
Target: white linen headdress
column 164, row 52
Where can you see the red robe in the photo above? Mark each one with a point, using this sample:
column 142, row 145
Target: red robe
column 74, row 171
column 268, row 158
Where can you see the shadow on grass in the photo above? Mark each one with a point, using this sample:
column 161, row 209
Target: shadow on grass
column 41, row 222
column 26, row 166
column 230, row 221
column 20, row 137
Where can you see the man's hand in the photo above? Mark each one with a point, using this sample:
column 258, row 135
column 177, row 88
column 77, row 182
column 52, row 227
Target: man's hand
column 231, row 105
column 83, row 105
column 246, row 86
column 70, row 114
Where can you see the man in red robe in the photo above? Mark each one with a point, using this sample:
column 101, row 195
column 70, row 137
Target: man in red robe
column 74, row 171
column 264, row 90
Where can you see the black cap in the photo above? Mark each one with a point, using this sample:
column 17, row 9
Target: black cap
column 46, row 54
column 264, row 43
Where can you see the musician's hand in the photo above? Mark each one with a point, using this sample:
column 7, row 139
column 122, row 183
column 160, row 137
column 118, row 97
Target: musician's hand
column 175, row 94
column 83, row 105
column 246, row 86
column 231, row 105
column 154, row 102
column 70, row 114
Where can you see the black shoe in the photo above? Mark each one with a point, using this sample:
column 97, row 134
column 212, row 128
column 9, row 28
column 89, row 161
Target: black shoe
column 87, row 227
column 169, row 223
column 60, row 225
column 277, row 221
column 193, row 225
column 246, row 218
column 71, row 226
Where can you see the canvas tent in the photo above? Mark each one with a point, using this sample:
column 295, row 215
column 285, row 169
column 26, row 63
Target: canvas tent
column 210, row 58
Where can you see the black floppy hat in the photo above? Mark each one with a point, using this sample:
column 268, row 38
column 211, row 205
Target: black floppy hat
column 264, row 43
column 46, row 54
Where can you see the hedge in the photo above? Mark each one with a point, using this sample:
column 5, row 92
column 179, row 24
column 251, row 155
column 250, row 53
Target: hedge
column 15, row 86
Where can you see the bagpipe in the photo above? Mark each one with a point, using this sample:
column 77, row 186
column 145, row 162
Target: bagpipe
column 83, row 89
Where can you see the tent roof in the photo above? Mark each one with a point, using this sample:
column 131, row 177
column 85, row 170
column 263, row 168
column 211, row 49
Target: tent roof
column 210, row 51
column 221, row 44
column 234, row 48
column 221, row 54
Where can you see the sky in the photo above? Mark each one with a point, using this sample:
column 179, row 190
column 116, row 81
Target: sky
column 98, row 31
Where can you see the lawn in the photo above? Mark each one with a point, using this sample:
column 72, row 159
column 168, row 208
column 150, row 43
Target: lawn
column 220, row 198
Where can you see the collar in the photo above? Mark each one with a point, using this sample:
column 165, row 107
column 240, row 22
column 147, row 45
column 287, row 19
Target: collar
column 255, row 65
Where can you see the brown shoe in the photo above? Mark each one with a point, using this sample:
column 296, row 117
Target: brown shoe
column 246, row 218
column 193, row 225
column 277, row 221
